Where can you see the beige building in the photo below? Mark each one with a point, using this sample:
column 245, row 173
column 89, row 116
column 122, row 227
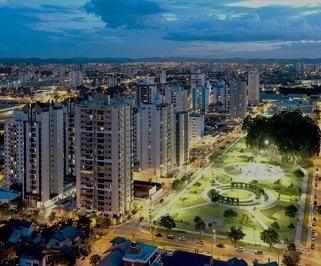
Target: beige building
column 104, row 157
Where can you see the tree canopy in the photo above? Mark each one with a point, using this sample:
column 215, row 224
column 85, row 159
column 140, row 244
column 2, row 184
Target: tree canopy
column 270, row 237
column 167, row 222
column 236, row 234
column 291, row 132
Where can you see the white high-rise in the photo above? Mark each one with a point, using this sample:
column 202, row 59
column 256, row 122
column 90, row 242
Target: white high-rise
column 195, row 126
column 253, row 88
column 178, row 97
column 155, row 138
column 238, row 101
column 162, row 77
column 38, row 162
column 104, row 157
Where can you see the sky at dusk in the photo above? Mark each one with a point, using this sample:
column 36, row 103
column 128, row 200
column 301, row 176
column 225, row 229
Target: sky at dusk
column 163, row 28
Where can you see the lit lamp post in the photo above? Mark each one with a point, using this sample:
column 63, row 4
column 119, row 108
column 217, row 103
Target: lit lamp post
column 213, row 241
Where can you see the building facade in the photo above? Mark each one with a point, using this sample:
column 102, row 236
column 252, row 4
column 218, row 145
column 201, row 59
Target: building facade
column 104, row 157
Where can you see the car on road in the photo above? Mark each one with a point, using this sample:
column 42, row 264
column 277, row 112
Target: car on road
column 258, row 252
column 314, row 222
column 240, row 249
column 315, row 196
column 201, row 242
column 312, row 246
column 158, row 235
column 315, row 203
column 182, row 238
column 220, row 245
column 313, row 238
column 170, row 236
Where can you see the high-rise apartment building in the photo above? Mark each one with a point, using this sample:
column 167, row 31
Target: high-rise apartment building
column 195, row 126
column 238, row 101
column 155, row 138
column 162, row 77
column 178, row 97
column 38, row 162
column 104, row 157
column 181, row 134
column 146, row 92
column 200, row 98
column 253, row 88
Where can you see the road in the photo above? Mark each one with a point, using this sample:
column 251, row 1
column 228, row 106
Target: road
column 312, row 256
column 132, row 231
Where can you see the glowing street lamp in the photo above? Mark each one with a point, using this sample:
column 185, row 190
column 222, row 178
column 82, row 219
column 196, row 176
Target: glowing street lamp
column 266, row 142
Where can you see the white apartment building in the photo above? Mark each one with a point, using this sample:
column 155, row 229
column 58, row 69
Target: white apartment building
column 178, row 97
column 75, row 78
column 195, row 126
column 104, row 157
column 155, row 138
column 38, row 161
column 253, row 88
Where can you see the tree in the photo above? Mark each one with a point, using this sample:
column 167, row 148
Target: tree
column 236, row 234
column 291, row 256
column 167, row 222
column 229, row 213
column 270, row 237
column 214, row 195
column 291, row 210
column 199, row 224
column 94, row 259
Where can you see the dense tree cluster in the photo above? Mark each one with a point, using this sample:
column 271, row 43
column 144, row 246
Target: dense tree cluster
column 291, row 132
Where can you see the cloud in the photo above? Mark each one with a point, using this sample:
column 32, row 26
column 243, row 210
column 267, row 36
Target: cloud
column 126, row 14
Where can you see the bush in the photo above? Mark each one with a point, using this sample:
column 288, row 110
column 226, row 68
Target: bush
column 298, row 173
column 291, row 210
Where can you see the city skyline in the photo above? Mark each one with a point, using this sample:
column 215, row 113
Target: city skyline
column 155, row 28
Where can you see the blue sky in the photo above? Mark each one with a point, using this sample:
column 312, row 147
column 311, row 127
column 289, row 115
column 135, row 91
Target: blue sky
column 148, row 28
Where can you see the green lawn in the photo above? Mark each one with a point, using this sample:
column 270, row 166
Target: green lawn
column 222, row 170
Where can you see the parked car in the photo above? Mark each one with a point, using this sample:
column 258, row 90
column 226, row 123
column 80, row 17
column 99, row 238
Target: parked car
column 240, row 249
column 220, row 245
column 170, row 236
column 201, row 242
column 258, row 252
column 182, row 238
column 158, row 235
column 312, row 246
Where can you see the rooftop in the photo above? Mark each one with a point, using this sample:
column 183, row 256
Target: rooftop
column 140, row 252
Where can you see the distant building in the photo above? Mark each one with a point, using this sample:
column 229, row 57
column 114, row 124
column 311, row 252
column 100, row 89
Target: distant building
column 238, row 101
column 222, row 95
column 253, row 88
column 75, row 78
column 200, row 98
column 195, row 126
column 103, row 134
column 162, row 77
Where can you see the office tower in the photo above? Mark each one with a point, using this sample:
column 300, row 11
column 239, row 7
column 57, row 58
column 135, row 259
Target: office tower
column 103, row 157
column 162, row 77
column 222, row 95
column 147, row 92
column 75, row 78
column 38, row 164
column 195, row 126
column 181, row 138
column 238, row 100
column 200, row 98
column 253, row 88
column 69, row 142
column 155, row 143
column 178, row 97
